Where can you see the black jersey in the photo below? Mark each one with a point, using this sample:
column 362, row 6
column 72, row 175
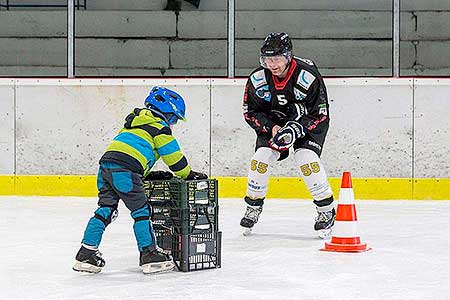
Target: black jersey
column 267, row 98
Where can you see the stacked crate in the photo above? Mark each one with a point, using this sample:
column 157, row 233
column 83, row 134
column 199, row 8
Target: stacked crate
column 185, row 219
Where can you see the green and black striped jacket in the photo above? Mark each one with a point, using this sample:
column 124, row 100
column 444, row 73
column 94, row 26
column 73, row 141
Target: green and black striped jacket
column 143, row 140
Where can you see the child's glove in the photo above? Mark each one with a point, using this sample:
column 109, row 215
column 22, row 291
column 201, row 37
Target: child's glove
column 159, row 175
column 196, row 175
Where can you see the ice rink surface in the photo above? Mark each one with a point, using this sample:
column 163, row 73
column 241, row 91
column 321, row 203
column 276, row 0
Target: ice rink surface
column 281, row 260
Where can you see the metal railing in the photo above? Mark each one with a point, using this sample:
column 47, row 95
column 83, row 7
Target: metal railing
column 78, row 4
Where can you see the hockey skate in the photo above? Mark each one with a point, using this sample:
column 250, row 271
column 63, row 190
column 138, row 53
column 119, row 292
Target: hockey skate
column 155, row 261
column 88, row 260
column 250, row 218
column 324, row 223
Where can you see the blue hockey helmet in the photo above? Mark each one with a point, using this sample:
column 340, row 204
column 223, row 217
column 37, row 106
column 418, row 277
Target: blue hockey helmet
column 167, row 104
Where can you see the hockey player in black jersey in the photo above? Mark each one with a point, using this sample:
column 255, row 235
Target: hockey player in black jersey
column 285, row 102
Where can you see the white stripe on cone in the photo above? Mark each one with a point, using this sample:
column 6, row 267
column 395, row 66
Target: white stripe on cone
column 345, row 229
column 346, row 196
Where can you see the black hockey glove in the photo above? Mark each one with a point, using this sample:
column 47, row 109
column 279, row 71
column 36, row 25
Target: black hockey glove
column 296, row 111
column 286, row 136
column 159, row 175
column 196, row 175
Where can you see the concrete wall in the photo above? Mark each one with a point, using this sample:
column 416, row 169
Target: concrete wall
column 345, row 38
column 210, row 5
column 94, row 4
column 389, row 128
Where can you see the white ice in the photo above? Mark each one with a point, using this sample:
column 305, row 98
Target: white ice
column 281, row 260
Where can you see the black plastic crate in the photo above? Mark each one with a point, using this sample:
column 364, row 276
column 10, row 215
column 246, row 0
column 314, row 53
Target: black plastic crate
column 192, row 252
column 182, row 193
column 187, row 206
column 185, row 220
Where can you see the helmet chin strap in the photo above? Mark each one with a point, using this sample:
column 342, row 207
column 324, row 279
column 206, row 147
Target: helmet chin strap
column 289, row 59
column 159, row 114
column 287, row 66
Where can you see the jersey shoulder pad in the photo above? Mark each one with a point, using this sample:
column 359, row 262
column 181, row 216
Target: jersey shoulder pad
column 258, row 78
column 306, row 78
column 305, row 60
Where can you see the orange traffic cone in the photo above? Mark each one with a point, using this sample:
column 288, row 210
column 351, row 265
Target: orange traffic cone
column 345, row 237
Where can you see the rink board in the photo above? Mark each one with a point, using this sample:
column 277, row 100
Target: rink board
column 431, row 128
column 235, row 187
column 382, row 130
column 71, row 122
column 7, row 126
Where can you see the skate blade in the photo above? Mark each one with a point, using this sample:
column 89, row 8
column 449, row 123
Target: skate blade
column 324, row 233
column 158, row 267
column 85, row 267
column 246, row 231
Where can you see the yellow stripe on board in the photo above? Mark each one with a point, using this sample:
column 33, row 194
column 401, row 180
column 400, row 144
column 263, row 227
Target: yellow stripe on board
column 49, row 185
column 7, row 185
column 364, row 188
column 235, row 187
column 431, row 189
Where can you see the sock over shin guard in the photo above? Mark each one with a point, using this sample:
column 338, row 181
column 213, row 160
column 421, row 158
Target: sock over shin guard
column 259, row 172
column 313, row 173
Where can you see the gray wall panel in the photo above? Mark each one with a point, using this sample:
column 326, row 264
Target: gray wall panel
column 298, row 4
column 7, row 159
column 33, row 23
column 299, row 24
column 69, row 126
column 371, row 128
column 202, row 24
column 430, row 26
column 121, row 53
column 433, row 54
column 125, row 23
column 314, row 24
column 126, row 5
column 36, row 71
column 432, row 128
column 33, row 52
column 232, row 140
column 425, row 5
column 345, row 54
column 198, row 54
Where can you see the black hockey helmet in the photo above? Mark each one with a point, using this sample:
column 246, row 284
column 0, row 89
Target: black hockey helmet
column 276, row 43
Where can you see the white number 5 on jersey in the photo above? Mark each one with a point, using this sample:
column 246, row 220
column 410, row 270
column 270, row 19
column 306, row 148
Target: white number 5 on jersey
column 282, row 99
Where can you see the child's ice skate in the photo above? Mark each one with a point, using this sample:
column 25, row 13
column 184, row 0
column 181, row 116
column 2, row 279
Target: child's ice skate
column 89, row 260
column 155, row 261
